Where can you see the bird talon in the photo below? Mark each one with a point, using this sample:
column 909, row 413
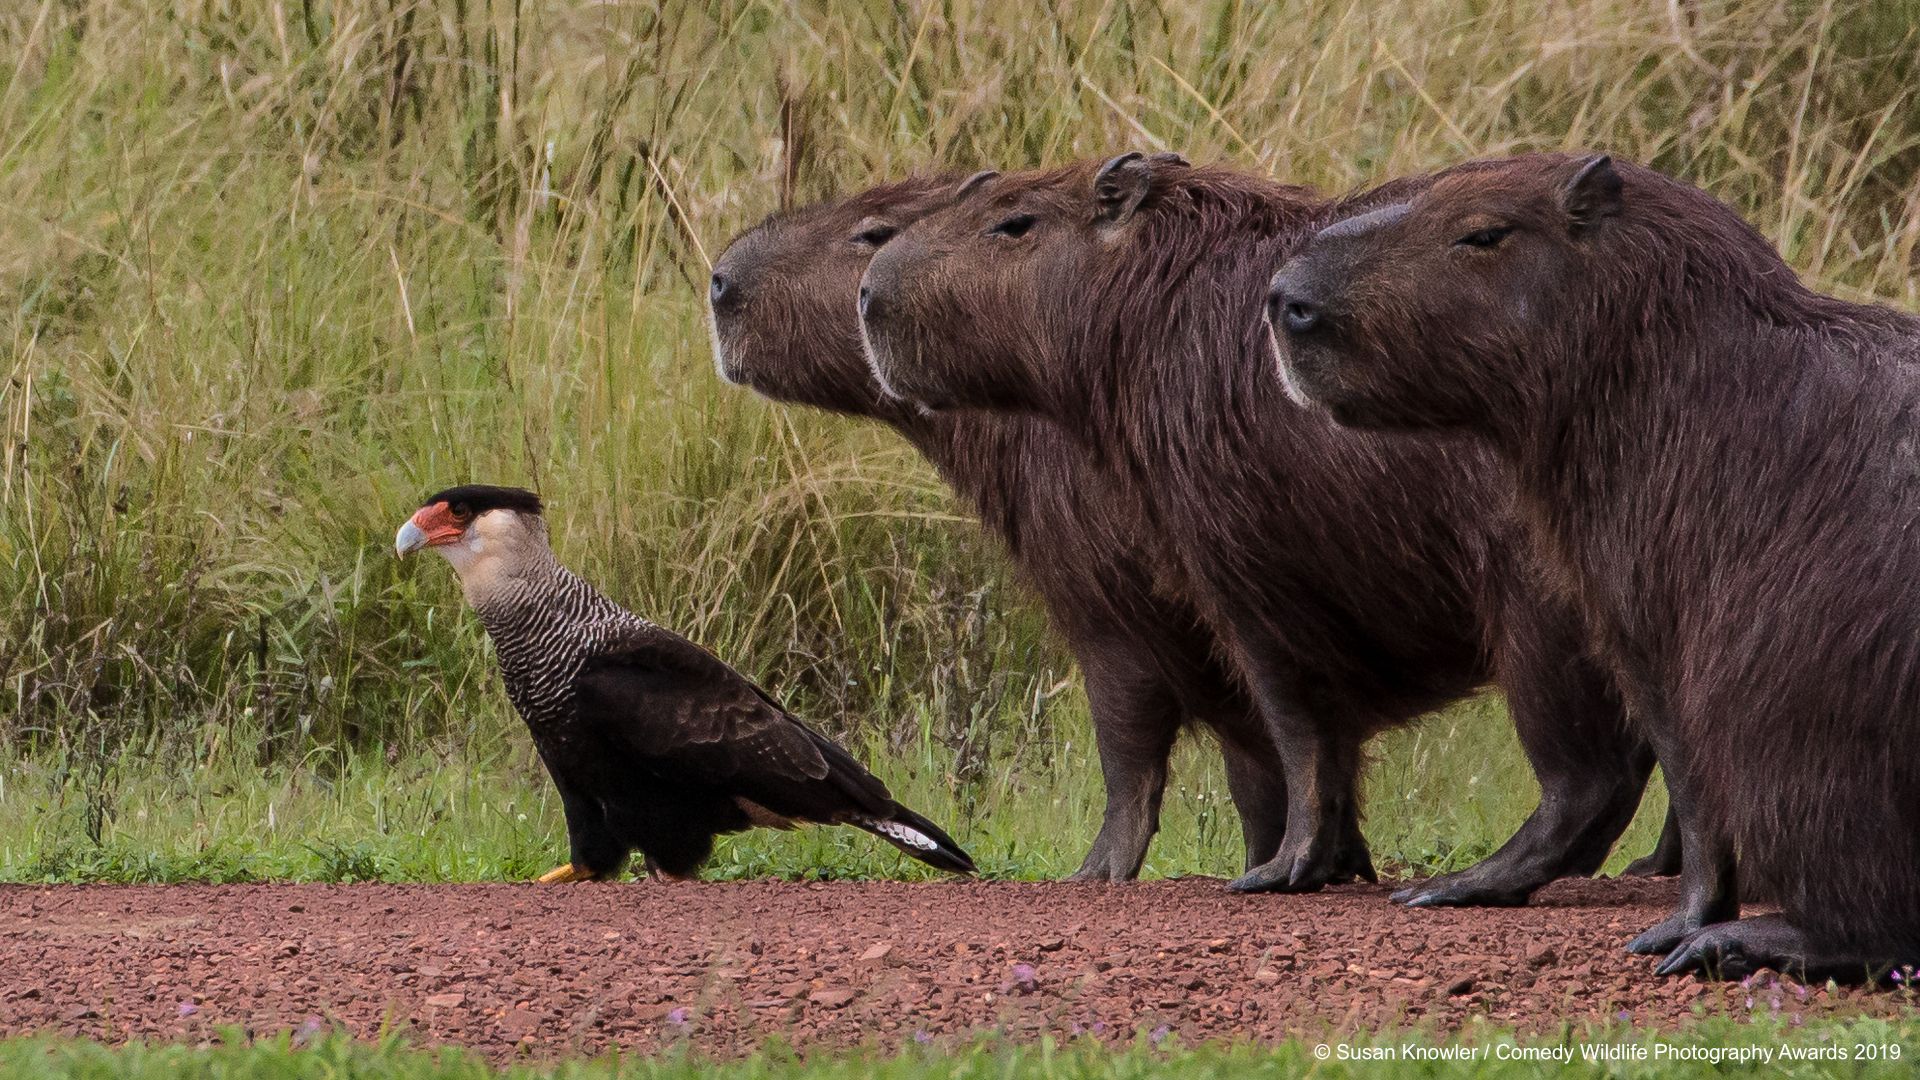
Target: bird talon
column 563, row 874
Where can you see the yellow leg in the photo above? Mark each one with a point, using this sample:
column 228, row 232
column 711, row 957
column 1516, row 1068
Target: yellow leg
column 569, row 872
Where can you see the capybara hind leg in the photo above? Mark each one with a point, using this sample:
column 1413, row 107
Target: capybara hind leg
column 1735, row 950
column 1258, row 783
column 1664, row 860
column 1135, row 722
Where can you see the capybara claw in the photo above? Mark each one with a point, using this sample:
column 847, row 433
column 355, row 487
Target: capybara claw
column 1449, row 890
column 1267, row 877
column 1716, row 952
column 1662, row 938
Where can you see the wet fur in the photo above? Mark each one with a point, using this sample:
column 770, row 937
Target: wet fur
column 1358, row 581
column 1148, row 663
column 1722, row 466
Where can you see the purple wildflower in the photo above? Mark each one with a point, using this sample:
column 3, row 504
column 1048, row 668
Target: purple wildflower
column 1076, row 1030
column 1159, row 1033
column 1099, row 1026
column 920, row 1036
column 188, row 1008
column 677, row 1017
column 1624, row 1016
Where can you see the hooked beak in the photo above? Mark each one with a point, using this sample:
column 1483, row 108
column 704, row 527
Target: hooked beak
column 411, row 538
column 429, row 526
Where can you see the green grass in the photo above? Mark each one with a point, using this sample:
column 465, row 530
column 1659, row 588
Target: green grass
column 273, row 271
column 329, row 1057
column 1441, row 799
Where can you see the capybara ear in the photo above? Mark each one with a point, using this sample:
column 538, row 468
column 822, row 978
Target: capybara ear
column 974, row 183
column 1592, row 194
column 1168, row 157
column 1120, row 187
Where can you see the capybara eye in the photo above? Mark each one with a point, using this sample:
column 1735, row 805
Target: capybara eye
column 1485, row 238
column 874, row 235
column 1016, row 226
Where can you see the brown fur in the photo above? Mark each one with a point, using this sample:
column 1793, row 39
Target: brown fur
column 1721, row 465
column 1358, row 581
column 784, row 324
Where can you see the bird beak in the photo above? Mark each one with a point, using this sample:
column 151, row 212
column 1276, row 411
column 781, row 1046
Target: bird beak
column 428, row 527
column 411, row 538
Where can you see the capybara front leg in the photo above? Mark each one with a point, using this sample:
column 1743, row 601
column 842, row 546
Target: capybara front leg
column 1709, row 878
column 1258, row 782
column 1323, row 845
column 1135, row 721
column 1591, row 763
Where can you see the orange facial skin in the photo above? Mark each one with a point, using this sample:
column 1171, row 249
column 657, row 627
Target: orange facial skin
column 430, row 526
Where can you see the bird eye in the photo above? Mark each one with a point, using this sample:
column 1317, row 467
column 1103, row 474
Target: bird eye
column 461, row 511
column 1485, row 238
column 874, row 235
column 1016, row 226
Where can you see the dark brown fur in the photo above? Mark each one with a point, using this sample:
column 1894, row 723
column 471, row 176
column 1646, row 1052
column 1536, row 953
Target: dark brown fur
column 785, row 324
column 1358, row 581
column 1722, row 466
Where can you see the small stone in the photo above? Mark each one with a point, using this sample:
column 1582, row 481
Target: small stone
column 1540, row 956
column 1053, row 944
column 834, row 998
column 1098, row 965
column 1462, row 986
column 876, row 952
column 1219, row 945
column 447, row 1001
column 1266, row 975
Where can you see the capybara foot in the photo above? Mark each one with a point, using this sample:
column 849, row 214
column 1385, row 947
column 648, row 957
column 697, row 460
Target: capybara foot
column 1735, row 950
column 1101, row 871
column 1465, row 888
column 1305, row 873
column 1666, row 936
column 1108, row 860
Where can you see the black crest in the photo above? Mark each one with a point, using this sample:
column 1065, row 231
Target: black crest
column 480, row 498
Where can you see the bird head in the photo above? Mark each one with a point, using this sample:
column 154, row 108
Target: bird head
column 481, row 529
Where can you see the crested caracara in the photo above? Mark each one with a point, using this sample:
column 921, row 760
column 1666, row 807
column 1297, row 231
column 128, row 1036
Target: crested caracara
column 652, row 741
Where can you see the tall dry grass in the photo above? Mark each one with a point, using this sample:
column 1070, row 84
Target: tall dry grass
column 274, row 269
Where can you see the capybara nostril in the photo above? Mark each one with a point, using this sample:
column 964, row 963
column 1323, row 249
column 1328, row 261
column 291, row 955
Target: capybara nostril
column 1298, row 316
column 866, row 300
column 721, row 290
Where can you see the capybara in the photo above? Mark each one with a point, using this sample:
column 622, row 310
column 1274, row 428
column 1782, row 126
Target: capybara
column 1357, row 581
column 1721, row 466
column 784, row 323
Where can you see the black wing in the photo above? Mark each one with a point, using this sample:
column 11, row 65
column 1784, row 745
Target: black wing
column 692, row 716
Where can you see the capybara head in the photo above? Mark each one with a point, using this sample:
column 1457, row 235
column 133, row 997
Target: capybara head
column 976, row 306
column 1464, row 306
column 782, row 298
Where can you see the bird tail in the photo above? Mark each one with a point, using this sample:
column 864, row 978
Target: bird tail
column 919, row 838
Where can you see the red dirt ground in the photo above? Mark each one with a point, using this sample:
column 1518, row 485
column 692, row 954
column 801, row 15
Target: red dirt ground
column 573, row 968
